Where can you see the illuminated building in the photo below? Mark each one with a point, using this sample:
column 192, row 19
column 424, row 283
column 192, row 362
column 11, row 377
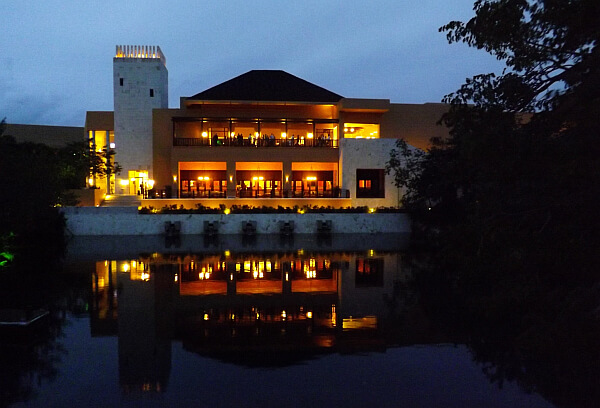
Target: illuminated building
column 265, row 134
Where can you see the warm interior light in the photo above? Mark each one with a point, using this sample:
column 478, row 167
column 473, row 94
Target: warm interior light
column 124, row 182
column 204, row 134
column 112, row 145
column 287, row 178
column 150, row 184
column 254, row 178
column 261, row 178
column 230, row 178
column 232, row 134
column 310, row 135
column 91, row 181
column 226, row 211
column 174, row 179
column 309, row 315
column 311, row 178
column 283, row 135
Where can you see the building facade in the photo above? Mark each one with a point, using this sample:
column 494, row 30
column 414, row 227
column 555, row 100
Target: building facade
column 264, row 135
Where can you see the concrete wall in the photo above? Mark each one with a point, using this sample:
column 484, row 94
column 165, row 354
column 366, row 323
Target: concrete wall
column 127, row 221
column 367, row 154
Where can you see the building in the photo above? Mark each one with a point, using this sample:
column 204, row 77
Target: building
column 265, row 137
column 53, row 136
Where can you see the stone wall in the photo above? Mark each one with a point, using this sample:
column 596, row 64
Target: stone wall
column 83, row 221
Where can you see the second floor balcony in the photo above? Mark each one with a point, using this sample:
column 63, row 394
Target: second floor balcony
column 260, row 141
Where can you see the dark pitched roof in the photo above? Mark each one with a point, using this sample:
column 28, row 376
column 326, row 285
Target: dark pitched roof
column 267, row 85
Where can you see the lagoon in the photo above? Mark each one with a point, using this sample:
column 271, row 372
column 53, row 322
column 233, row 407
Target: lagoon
column 259, row 321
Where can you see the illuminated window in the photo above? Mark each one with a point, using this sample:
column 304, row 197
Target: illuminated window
column 370, row 183
column 369, row 272
column 361, row 130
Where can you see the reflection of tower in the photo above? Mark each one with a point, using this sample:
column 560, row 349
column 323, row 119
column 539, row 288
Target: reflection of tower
column 144, row 336
column 140, row 84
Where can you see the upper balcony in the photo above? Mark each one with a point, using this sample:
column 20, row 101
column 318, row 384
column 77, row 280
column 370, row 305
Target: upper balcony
column 261, row 141
column 255, row 133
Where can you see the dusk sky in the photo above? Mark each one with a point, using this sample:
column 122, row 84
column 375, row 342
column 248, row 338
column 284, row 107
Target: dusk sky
column 56, row 55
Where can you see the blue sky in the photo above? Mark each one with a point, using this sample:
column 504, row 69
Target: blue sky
column 56, row 56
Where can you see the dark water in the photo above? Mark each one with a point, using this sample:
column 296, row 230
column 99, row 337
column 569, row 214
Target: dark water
column 243, row 322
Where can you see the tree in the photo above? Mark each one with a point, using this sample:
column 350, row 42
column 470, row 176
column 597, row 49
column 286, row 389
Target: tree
column 101, row 163
column 513, row 191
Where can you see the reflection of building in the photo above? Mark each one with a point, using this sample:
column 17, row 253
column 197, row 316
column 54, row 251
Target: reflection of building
column 263, row 134
column 254, row 309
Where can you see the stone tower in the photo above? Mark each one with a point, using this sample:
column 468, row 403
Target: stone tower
column 140, row 84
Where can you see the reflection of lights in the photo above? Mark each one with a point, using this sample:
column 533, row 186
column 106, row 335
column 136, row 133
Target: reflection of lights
column 145, row 276
column 283, row 315
column 205, row 316
column 333, row 316
column 133, row 264
column 232, row 316
column 125, row 267
column 309, row 315
column 371, row 210
column 231, row 276
column 176, row 277
column 287, row 276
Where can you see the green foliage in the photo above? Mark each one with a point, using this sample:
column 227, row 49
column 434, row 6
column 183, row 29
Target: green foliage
column 513, row 224
column 34, row 180
column 247, row 209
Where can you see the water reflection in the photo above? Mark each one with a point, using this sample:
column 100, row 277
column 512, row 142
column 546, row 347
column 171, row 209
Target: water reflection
column 251, row 308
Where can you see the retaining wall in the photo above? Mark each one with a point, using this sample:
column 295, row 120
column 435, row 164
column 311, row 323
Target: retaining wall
column 127, row 221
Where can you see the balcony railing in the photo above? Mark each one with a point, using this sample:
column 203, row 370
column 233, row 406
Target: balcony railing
column 334, row 193
column 255, row 142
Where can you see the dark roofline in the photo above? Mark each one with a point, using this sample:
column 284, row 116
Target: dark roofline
column 267, row 86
